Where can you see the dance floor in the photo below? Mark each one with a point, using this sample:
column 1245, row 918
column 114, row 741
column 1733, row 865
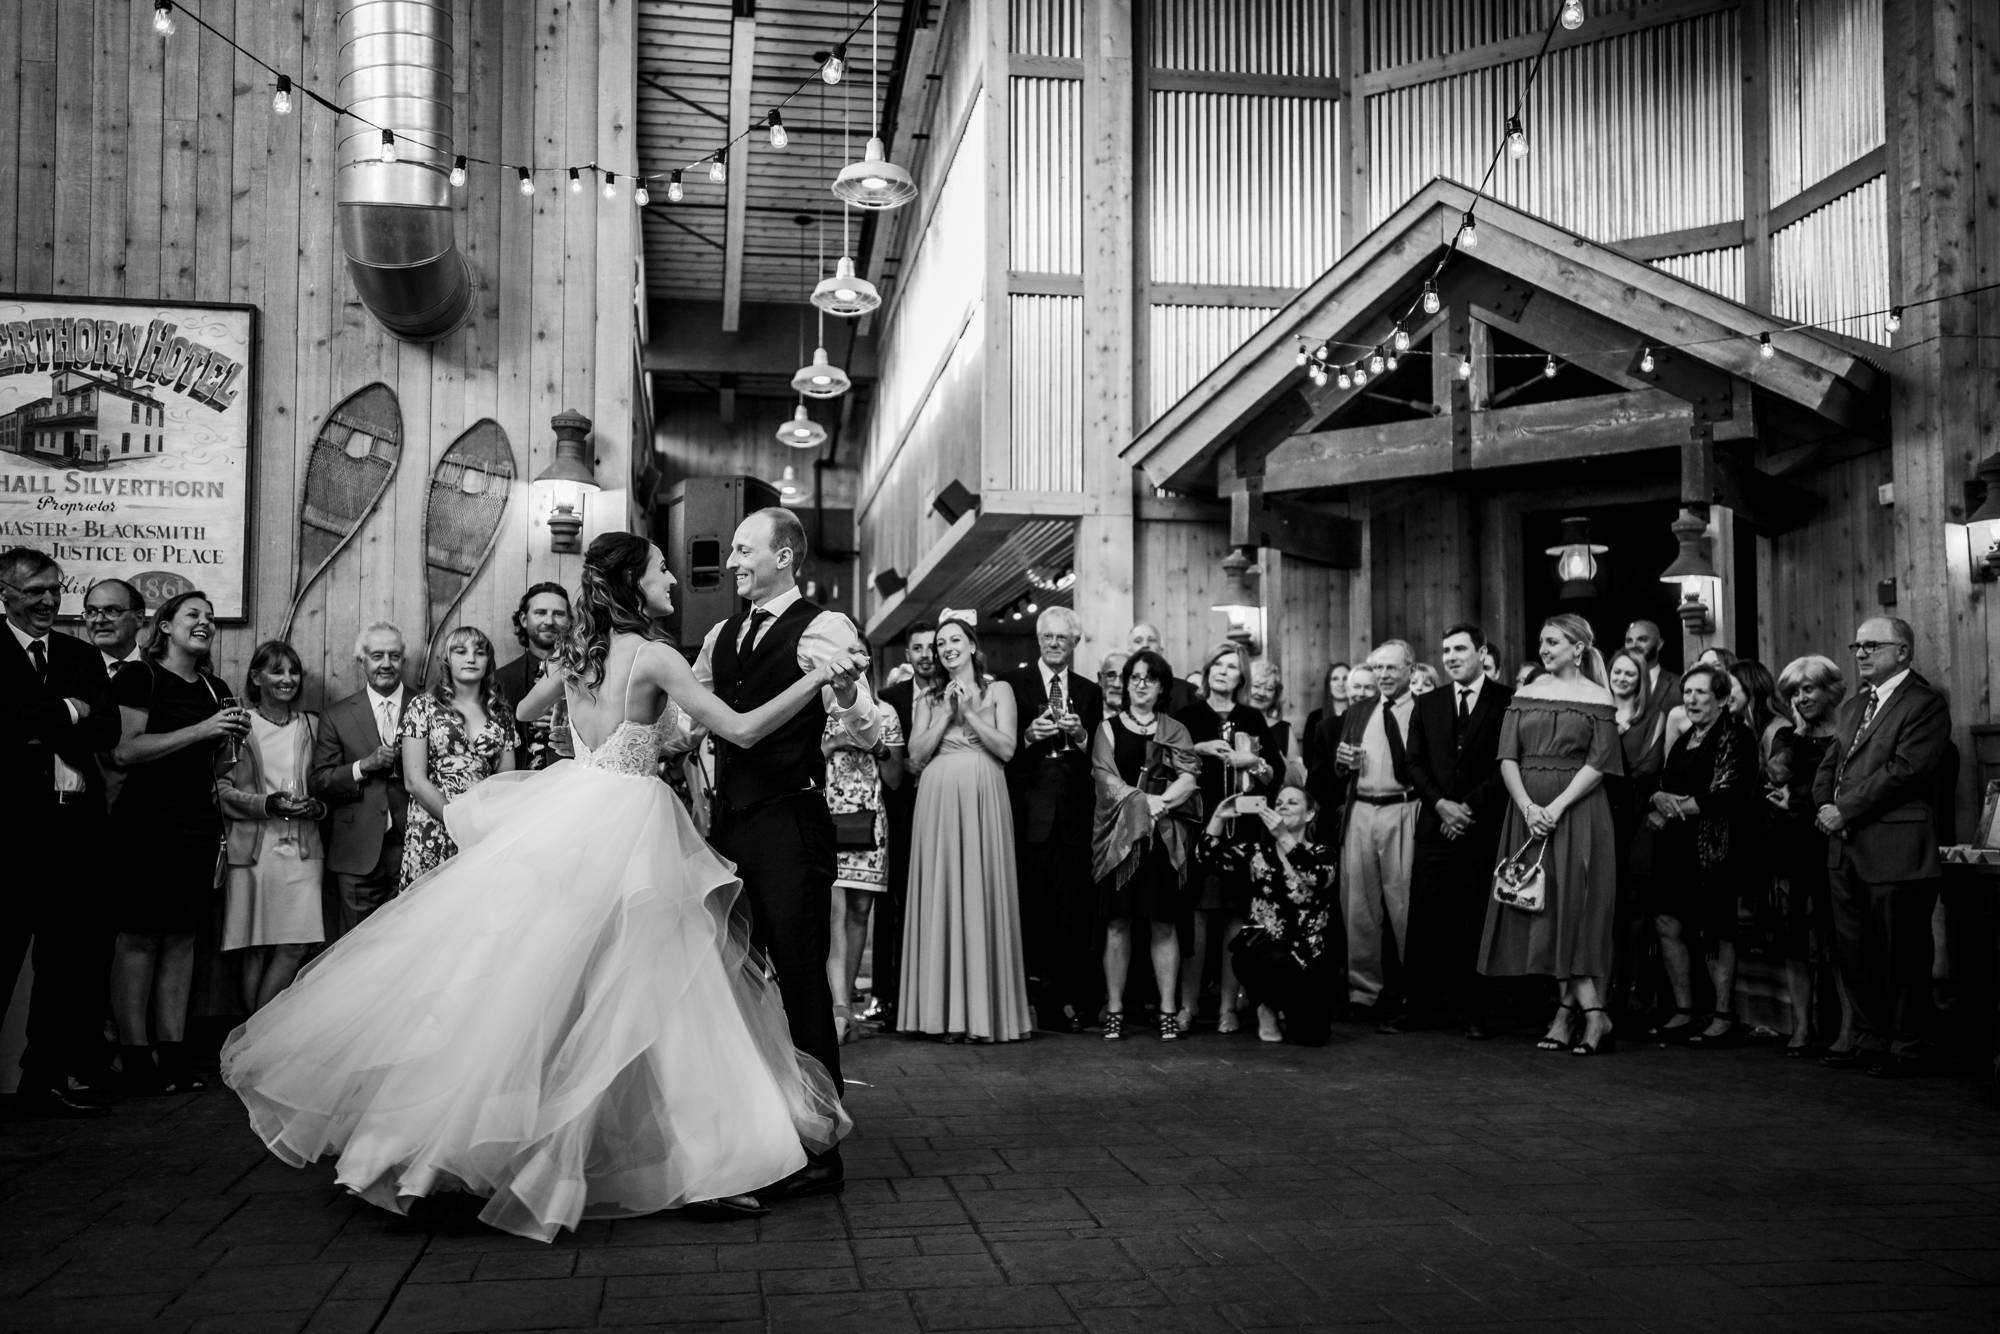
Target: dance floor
column 1067, row 1183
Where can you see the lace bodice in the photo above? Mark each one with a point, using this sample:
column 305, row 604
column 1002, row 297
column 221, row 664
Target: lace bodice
column 633, row 747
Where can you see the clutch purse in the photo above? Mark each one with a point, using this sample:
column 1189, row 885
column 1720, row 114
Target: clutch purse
column 1520, row 883
column 854, row 831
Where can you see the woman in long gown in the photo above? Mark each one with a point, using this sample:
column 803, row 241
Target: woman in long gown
column 963, row 975
column 1558, row 741
column 566, row 1017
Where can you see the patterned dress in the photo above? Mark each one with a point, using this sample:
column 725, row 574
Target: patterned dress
column 1294, row 908
column 456, row 763
column 854, row 783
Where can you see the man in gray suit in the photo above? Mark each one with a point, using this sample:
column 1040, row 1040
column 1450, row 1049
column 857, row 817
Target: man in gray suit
column 1875, row 792
column 356, row 772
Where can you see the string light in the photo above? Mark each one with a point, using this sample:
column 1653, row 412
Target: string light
column 1895, row 320
column 1360, row 374
column 1302, row 352
column 1764, row 348
column 1375, row 362
column 1549, row 369
column 718, row 167
column 835, row 65
column 1431, row 302
column 1646, row 361
column 1572, row 14
column 1464, row 367
column 527, row 182
column 388, row 146
column 674, row 192
column 575, row 181
column 640, row 195
column 1402, row 340
column 777, row 126
column 610, row 185
column 1468, row 232
column 1322, row 353
column 1517, row 138
column 458, row 171
column 1390, row 361
column 1346, row 380
column 163, row 18
column 281, row 101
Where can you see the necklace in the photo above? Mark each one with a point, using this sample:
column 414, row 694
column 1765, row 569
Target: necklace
column 285, row 721
column 1146, row 728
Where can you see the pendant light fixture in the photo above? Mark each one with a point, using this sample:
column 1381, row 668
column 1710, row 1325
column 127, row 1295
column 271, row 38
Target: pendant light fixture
column 875, row 183
column 818, row 378
column 802, row 432
column 845, row 294
column 788, row 487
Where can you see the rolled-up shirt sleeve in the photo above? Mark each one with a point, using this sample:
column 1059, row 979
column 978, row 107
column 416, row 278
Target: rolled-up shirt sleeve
column 830, row 635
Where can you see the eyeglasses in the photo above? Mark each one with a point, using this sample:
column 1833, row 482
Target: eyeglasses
column 1141, row 681
column 35, row 592
column 103, row 613
column 1872, row 645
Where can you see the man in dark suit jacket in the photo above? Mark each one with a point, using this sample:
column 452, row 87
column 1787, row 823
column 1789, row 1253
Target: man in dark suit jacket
column 1875, row 792
column 1452, row 760
column 1057, row 715
column 540, row 622
column 1662, row 688
column 356, row 771
column 920, row 651
column 54, row 798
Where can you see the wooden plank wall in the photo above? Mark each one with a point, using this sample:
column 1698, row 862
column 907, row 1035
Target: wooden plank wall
column 157, row 171
column 1178, row 580
column 1822, row 576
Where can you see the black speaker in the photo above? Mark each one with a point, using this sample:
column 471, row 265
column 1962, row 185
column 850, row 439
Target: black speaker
column 693, row 527
column 889, row 583
column 954, row 501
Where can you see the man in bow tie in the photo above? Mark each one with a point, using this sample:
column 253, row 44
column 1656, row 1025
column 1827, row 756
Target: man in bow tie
column 356, row 771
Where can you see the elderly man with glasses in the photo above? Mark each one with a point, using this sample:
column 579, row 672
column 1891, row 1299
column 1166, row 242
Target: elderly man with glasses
column 1876, row 794
column 113, row 610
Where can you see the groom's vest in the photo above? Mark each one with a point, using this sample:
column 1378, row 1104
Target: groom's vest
column 789, row 759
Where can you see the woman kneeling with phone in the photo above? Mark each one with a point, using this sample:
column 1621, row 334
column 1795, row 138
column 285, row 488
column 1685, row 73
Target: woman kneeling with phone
column 1282, row 956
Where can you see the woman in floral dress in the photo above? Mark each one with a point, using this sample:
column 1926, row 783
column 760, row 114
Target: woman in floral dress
column 455, row 735
column 855, row 780
column 1282, row 956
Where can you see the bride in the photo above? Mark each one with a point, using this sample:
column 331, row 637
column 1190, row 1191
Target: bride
column 566, row 1018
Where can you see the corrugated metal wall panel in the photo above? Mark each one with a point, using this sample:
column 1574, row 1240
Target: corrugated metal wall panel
column 1045, row 153
column 1187, row 342
column 1826, row 88
column 1836, row 261
column 1243, row 190
column 1629, row 137
column 1043, row 28
column 1292, row 38
column 1047, row 388
column 1720, row 271
column 1399, row 31
column 899, row 527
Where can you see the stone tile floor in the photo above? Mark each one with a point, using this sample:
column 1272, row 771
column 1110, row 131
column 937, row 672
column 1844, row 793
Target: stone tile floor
column 1411, row 1182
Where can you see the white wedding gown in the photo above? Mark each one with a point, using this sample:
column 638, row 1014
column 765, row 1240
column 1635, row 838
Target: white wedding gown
column 565, row 1018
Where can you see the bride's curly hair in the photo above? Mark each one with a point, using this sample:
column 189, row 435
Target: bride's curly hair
column 608, row 602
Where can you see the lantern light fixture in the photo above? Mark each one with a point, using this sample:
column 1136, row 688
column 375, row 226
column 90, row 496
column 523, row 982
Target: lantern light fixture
column 1576, row 559
column 567, row 481
column 1402, row 340
column 1468, row 232
column 718, row 167
column 610, row 185
column 1694, row 573
column 640, row 194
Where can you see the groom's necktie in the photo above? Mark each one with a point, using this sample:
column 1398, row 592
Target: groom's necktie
column 757, row 619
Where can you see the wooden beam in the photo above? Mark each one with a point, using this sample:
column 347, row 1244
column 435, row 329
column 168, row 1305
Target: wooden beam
column 1305, row 530
column 742, row 68
column 1360, row 454
column 1602, row 27
column 1686, row 241
column 1243, row 85
column 1818, row 195
column 1770, row 504
column 964, row 547
column 1755, row 113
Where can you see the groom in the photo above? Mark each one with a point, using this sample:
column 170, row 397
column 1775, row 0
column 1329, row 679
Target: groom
column 770, row 814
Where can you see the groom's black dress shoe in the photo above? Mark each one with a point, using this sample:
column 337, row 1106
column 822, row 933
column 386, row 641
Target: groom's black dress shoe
column 812, row 1179
column 47, row 1100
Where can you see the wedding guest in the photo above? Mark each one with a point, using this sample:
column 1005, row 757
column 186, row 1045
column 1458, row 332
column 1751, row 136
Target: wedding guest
column 1285, row 956
column 1360, row 689
column 178, row 721
column 1048, row 778
column 113, row 612
column 455, row 735
column 1143, row 764
column 857, row 778
column 272, row 912
column 53, row 719
column 357, row 772
column 886, row 969
column 1813, row 687
column 540, row 623
column 1423, row 679
column 963, row 975
column 1267, row 696
column 1378, row 836
column 1527, row 672
column 1558, row 741
column 1111, row 681
column 1713, row 656
column 1489, row 662
column 1641, row 742
column 1702, row 815
column 1662, row 688
column 1232, row 740
column 1181, row 693
column 1323, row 780
column 1333, row 703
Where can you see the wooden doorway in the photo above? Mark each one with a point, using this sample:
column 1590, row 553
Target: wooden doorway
column 1639, row 543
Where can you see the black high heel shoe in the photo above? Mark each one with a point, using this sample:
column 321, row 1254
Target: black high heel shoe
column 1607, row 1041
column 1666, row 1034
column 1732, row 1036
column 1550, row 1042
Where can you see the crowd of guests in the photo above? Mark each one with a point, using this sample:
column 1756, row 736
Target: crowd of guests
column 1005, row 839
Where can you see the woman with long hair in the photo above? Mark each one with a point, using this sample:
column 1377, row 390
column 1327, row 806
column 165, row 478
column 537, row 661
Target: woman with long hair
column 178, row 723
column 272, row 912
column 963, row 976
column 1641, row 732
column 1558, row 742
column 566, row 1018
column 455, row 735
column 1813, row 686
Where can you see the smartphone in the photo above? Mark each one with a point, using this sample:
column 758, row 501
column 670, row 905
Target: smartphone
column 1248, row 804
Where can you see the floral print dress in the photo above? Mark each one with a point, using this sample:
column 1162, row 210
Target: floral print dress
column 1293, row 907
column 854, row 783
column 456, row 763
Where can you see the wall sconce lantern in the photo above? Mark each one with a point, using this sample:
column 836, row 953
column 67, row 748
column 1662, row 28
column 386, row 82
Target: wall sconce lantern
column 1694, row 573
column 570, row 477
column 1576, row 560
column 1239, row 600
column 1984, row 523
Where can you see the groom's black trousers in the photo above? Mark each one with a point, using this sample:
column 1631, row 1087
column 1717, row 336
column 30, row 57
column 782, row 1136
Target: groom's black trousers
column 783, row 850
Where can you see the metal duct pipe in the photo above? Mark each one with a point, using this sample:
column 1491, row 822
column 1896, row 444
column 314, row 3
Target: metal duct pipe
column 396, row 217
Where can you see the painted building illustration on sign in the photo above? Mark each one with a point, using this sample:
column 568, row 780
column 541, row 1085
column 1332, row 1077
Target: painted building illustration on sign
column 86, row 421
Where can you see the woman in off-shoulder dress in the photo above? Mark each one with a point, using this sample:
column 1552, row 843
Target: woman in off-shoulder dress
column 1558, row 741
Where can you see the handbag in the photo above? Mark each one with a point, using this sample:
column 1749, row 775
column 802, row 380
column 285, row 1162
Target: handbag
column 854, row 831
column 1522, row 884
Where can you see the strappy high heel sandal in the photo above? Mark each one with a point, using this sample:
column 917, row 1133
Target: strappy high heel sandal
column 1170, row 1027
column 1607, row 1041
column 1114, row 1026
column 1550, row 1042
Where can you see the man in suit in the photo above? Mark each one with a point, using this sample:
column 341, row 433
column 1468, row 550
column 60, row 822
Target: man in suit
column 356, row 771
column 53, row 699
column 1875, row 792
column 113, row 611
column 1057, row 714
column 540, row 622
column 920, row 651
column 1377, row 839
column 1452, row 762
column 769, row 814
column 1663, row 688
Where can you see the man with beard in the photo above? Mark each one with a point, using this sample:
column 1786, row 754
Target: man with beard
column 920, row 651
column 540, row 623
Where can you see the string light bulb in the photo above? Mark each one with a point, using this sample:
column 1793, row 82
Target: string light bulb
column 1764, row 348
column 776, row 123
column 575, row 181
column 527, row 182
column 718, row 167
column 834, row 65
column 1549, row 369
column 674, row 192
column 1895, row 320
column 1320, row 353
column 641, row 196
column 388, row 146
column 1431, row 302
column 1402, row 340
column 1646, row 361
column 1376, row 362
column 163, row 18
column 458, row 171
column 1468, row 232
column 610, row 185
column 1346, row 380
column 1464, row 367
column 281, row 100
column 1302, row 352
column 1360, row 374
column 1517, row 138
column 1572, row 14
column 1390, row 361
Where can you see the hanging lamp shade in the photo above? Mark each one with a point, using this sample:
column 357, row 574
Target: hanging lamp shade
column 802, row 432
column 846, row 293
column 874, row 183
column 790, row 491
column 821, row 379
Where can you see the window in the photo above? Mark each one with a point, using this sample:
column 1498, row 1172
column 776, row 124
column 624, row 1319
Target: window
column 135, row 416
column 125, row 444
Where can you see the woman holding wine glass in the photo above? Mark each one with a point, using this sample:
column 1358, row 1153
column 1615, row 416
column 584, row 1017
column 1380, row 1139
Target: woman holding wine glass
column 272, row 913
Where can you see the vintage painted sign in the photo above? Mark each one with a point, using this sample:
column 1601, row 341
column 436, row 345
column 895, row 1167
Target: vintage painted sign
column 126, row 432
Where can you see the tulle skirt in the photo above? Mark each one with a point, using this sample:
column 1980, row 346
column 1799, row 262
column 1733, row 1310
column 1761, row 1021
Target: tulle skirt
column 565, row 1018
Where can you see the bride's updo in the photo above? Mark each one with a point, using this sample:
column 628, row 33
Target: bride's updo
column 608, row 602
